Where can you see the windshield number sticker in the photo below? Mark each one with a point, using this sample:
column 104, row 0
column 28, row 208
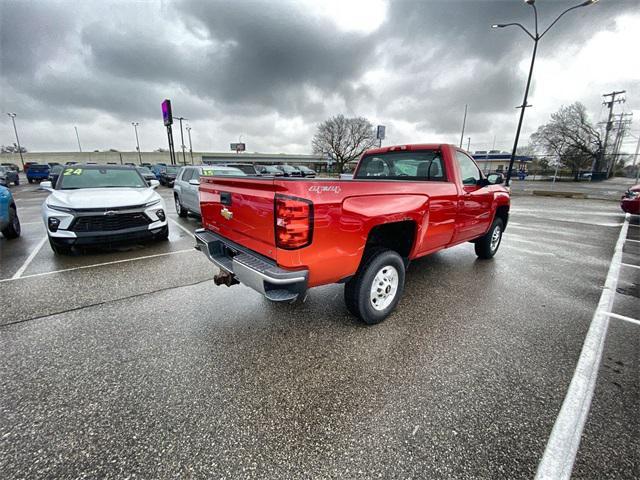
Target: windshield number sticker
column 72, row 171
column 208, row 172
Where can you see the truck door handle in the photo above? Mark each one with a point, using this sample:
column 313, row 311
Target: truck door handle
column 225, row 198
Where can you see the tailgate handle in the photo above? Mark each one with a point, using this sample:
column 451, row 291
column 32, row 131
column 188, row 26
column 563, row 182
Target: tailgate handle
column 225, row 198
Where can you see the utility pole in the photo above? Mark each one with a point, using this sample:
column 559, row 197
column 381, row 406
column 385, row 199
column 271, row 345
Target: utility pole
column 464, row 122
column 620, row 134
column 608, row 127
column 188, row 127
column 78, row 137
column 13, row 119
column 184, row 156
column 135, row 128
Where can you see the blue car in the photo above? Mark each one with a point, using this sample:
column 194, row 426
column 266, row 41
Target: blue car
column 158, row 169
column 37, row 172
column 9, row 223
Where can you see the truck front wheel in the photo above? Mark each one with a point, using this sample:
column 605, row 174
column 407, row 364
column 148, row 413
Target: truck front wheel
column 487, row 245
column 377, row 286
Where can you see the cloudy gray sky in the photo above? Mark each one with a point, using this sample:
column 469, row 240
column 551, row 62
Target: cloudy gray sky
column 271, row 71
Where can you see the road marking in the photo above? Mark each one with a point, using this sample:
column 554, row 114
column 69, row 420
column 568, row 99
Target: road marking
column 562, row 446
column 98, row 265
column 568, row 212
column 31, row 256
column 180, row 226
column 629, row 265
column 530, row 252
column 622, row 317
column 564, row 220
column 632, row 240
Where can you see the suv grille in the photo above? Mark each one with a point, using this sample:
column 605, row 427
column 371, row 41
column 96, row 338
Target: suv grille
column 106, row 223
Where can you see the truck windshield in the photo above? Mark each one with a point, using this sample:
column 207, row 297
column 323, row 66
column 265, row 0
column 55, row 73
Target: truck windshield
column 74, row 178
column 421, row 165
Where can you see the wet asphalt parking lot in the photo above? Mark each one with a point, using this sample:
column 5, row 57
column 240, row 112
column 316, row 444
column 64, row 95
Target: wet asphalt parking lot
column 131, row 363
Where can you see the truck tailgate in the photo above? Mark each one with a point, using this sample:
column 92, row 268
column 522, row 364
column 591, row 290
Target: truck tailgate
column 240, row 209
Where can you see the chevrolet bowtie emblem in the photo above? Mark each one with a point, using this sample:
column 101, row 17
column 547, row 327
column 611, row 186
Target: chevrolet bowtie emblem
column 226, row 213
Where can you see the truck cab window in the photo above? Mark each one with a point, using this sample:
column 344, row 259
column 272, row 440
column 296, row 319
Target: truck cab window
column 469, row 172
column 417, row 165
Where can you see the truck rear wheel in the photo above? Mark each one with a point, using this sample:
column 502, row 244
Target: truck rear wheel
column 373, row 293
column 487, row 245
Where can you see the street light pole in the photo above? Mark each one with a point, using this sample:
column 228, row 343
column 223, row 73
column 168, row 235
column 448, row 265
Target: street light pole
column 13, row 119
column 135, row 128
column 184, row 157
column 536, row 38
column 188, row 127
column 78, row 137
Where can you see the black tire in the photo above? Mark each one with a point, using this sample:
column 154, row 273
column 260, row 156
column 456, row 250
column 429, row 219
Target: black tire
column 12, row 230
column 58, row 248
column 357, row 291
column 180, row 210
column 30, row 180
column 17, row 183
column 487, row 246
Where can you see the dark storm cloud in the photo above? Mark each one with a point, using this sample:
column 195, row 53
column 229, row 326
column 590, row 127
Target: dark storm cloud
column 265, row 60
column 30, row 34
column 271, row 50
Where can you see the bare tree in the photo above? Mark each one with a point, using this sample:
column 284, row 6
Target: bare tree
column 12, row 148
column 571, row 137
column 343, row 139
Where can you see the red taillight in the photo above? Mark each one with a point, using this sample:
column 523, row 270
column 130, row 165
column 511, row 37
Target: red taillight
column 293, row 222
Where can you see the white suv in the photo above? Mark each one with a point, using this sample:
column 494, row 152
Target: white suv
column 102, row 204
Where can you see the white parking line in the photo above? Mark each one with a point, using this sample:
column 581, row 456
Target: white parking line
column 622, row 317
column 629, row 265
column 562, row 446
column 530, row 252
column 632, row 240
column 180, row 226
column 98, row 265
column 31, row 256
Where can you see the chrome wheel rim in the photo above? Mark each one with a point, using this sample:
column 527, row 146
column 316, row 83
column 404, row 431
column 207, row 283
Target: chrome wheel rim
column 384, row 288
column 495, row 238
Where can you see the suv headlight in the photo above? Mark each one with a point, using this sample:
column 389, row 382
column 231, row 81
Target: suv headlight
column 59, row 209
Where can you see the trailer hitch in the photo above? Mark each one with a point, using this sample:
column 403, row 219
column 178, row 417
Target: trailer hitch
column 225, row 278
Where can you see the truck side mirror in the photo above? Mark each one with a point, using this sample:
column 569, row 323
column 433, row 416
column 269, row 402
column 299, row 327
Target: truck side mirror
column 495, row 178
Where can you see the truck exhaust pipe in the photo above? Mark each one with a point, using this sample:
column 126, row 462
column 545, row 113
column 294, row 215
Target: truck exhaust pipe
column 225, row 278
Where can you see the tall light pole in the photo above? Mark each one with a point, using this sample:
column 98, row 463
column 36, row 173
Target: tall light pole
column 184, row 157
column 78, row 138
column 135, row 128
column 188, row 127
column 536, row 38
column 13, row 119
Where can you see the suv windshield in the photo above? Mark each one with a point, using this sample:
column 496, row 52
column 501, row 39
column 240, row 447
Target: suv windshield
column 73, row 178
column 171, row 170
column 422, row 165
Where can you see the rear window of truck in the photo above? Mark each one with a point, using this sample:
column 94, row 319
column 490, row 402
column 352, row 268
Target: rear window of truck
column 422, row 165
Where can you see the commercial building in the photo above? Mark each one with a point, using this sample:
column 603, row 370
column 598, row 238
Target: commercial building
column 497, row 161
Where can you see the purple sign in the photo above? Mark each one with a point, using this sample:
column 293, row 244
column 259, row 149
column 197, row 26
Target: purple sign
column 166, row 113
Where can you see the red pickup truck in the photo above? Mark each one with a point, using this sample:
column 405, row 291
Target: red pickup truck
column 282, row 236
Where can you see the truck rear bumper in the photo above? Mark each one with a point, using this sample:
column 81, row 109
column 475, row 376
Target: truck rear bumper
column 252, row 269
